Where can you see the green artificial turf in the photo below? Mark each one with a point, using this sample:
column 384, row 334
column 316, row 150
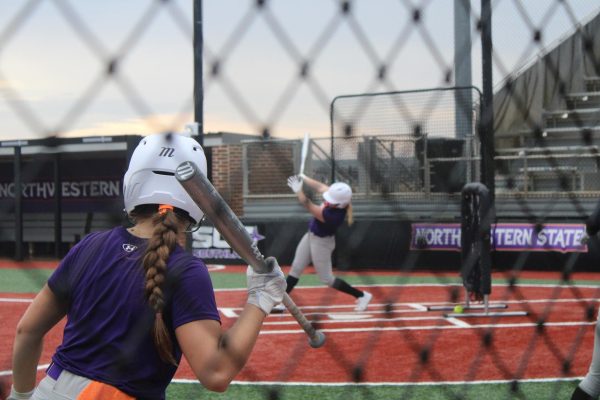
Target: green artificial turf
column 558, row 390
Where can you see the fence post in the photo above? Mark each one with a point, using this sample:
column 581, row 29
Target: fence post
column 245, row 170
column 198, row 71
column 57, row 207
column 18, row 205
column 426, row 168
column 462, row 68
column 487, row 108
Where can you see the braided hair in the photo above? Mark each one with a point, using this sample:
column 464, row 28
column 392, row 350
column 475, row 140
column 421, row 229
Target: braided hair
column 349, row 215
column 160, row 245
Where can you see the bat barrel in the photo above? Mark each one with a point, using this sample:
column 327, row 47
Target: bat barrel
column 216, row 209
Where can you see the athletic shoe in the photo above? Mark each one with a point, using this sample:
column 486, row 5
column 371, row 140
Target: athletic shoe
column 579, row 394
column 278, row 309
column 363, row 301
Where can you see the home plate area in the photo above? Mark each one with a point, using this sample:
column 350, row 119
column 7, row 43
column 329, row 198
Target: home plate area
column 337, row 312
column 392, row 336
column 405, row 307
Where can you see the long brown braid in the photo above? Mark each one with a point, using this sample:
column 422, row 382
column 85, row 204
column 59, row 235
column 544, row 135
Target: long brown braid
column 160, row 246
column 349, row 215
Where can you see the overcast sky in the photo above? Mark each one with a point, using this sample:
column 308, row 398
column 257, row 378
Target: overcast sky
column 51, row 67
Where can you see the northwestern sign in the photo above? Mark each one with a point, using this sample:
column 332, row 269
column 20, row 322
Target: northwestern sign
column 207, row 243
column 505, row 237
column 89, row 182
column 81, row 189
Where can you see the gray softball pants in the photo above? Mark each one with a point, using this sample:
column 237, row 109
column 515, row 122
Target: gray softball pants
column 591, row 383
column 67, row 386
column 318, row 250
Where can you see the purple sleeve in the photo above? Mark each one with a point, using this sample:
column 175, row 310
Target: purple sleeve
column 69, row 271
column 60, row 280
column 194, row 297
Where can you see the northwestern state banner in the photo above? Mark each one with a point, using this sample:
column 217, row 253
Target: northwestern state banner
column 505, row 237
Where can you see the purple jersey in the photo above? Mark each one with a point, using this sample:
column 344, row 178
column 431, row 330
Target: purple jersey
column 334, row 217
column 108, row 333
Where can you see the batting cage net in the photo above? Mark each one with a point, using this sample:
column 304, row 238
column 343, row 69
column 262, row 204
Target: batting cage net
column 415, row 142
column 467, row 131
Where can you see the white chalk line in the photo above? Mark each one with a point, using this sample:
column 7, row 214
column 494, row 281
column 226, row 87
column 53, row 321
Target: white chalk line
column 360, row 319
column 15, row 300
column 430, row 327
column 449, row 285
column 9, row 372
column 393, row 384
column 458, row 322
column 333, row 384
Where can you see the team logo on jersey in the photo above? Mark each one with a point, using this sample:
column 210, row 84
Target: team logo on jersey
column 166, row 152
column 129, row 247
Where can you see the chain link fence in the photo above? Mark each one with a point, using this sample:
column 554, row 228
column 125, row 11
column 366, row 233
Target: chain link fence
column 407, row 153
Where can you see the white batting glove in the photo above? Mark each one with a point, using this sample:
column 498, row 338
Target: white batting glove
column 295, row 183
column 14, row 395
column 266, row 290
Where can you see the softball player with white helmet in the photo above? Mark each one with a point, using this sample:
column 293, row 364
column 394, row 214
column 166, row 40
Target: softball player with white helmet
column 136, row 302
column 589, row 387
column 318, row 243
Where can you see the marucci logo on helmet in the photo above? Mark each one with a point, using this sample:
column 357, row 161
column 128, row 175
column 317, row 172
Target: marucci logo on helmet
column 166, row 152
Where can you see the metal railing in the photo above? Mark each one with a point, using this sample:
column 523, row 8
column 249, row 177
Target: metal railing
column 397, row 167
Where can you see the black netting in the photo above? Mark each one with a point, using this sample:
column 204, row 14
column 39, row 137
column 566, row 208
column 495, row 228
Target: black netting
column 470, row 141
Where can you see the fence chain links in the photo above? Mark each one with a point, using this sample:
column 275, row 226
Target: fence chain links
column 537, row 153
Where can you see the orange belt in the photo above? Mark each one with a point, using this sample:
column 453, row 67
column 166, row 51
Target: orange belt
column 101, row 391
column 94, row 390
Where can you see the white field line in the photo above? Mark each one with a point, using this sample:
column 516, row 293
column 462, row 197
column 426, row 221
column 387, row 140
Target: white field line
column 393, row 285
column 326, row 309
column 359, row 320
column 414, row 306
column 429, row 328
column 454, row 284
column 215, row 267
column 440, row 383
column 9, row 372
column 386, row 285
column 14, row 300
column 458, row 322
column 228, row 312
column 275, row 383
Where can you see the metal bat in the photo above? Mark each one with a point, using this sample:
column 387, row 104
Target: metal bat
column 227, row 223
column 304, row 153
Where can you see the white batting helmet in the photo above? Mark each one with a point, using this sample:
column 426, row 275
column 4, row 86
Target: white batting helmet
column 339, row 193
column 150, row 177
